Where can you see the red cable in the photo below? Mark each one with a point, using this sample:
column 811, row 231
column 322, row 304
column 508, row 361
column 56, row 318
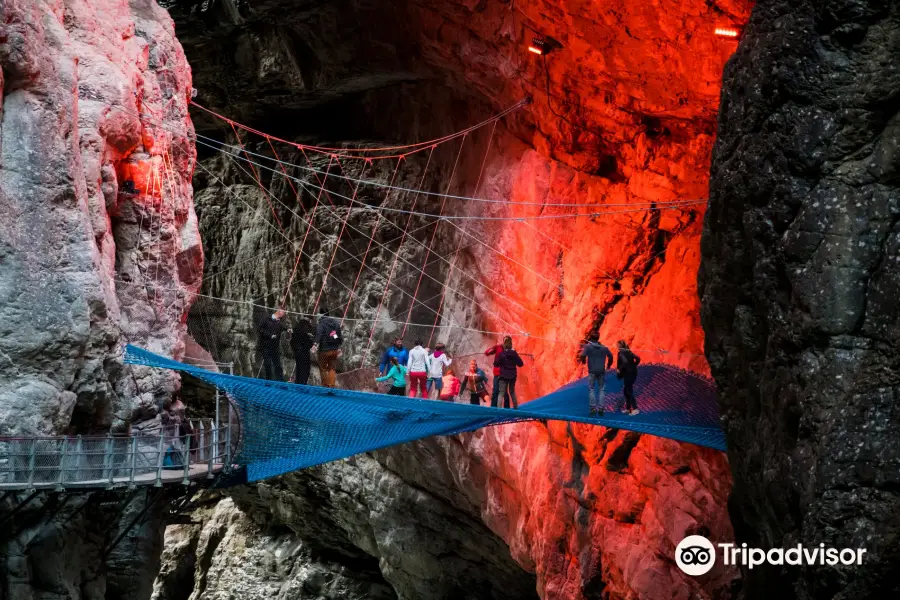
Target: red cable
column 303, row 243
column 336, row 246
column 433, row 235
column 417, row 147
column 487, row 151
column 369, row 245
column 256, row 176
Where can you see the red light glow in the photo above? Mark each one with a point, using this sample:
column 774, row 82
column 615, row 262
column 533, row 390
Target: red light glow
column 535, row 49
column 728, row 32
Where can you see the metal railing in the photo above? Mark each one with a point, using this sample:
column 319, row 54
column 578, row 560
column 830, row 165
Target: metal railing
column 168, row 456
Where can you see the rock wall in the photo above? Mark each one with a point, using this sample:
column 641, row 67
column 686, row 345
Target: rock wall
column 799, row 284
column 98, row 246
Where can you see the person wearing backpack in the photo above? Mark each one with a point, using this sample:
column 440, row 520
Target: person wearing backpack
column 328, row 345
column 598, row 359
column 627, row 370
column 508, row 363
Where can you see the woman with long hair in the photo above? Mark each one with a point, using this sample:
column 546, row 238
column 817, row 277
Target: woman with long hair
column 627, row 370
column 508, row 361
column 396, row 375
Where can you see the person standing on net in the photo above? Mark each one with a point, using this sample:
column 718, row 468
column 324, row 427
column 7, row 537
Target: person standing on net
column 598, row 359
column 398, row 352
column 301, row 344
column 270, row 330
column 495, row 392
column 437, row 362
column 418, row 371
column 508, row 362
column 328, row 345
column 627, row 370
column 397, row 376
column 476, row 382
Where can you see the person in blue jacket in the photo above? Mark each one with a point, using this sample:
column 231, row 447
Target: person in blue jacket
column 396, row 351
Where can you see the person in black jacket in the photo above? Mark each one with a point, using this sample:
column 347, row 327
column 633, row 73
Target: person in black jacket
column 627, row 370
column 270, row 331
column 598, row 359
column 507, row 362
column 301, row 344
column 328, row 345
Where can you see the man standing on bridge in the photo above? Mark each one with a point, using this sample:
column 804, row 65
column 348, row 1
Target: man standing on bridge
column 328, row 345
column 270, row 331
column 599, row 359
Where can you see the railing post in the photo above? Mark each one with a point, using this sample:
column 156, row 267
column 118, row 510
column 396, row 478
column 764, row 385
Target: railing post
column 31, row 458
column 215, row 431
column 62, row 465
column 79, row 456
column 133, row 459
column 226, row 466
column 200, row 456
column 211, row 455
column 160, row 456
column 186, row 459
column 107, row 458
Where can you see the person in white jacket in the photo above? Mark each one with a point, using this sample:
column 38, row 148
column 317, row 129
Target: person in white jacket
column 418, row 370
column 437, row 362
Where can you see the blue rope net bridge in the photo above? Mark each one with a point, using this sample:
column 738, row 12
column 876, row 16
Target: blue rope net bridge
column 286, row 427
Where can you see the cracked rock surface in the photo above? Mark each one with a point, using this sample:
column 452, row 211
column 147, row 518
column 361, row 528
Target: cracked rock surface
column 799, row 282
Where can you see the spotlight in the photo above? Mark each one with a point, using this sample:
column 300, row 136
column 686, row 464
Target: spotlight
column 542, row 45
column 728, row 32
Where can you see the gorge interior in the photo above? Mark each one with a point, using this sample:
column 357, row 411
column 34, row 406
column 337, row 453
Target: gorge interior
column 622, row 113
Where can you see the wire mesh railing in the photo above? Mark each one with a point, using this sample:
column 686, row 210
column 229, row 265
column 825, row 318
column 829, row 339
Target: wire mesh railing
column 170, row 455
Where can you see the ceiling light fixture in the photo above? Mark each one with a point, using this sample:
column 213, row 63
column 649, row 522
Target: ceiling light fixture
column 542, row 45
column 728, row 32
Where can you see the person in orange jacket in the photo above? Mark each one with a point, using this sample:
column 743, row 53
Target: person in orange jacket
column 450, row 389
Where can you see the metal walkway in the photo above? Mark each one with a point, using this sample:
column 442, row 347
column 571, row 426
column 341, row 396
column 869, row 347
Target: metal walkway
column 107, row 462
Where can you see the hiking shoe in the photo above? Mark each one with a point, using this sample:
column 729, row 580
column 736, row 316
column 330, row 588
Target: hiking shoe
column 634, row 412
column 625, row 411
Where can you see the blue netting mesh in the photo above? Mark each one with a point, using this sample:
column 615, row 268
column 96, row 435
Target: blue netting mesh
column 286, row 426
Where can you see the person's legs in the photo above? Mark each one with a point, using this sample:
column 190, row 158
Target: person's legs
column 628, row 392
column 276, row 368
column 495, row 393
column 269, row 360
column 504, row 390
column 592, row 395
column 301, row 370
column 438, row 386
column 512, row 393
column 601, row 391
column 397, row 390
column 473, row 398
column 327, row 361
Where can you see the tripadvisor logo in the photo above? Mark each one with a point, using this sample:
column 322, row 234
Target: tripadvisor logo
column 695, row 555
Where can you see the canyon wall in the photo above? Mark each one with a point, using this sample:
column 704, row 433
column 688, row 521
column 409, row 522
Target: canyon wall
column 629, row 120
column 799, row 290
column 99, row 246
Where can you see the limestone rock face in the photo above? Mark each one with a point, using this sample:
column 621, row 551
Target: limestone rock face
column 99, row 246
column 799, row 285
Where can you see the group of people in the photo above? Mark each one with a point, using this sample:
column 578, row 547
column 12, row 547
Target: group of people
column 599, row 358
column 432, row 371
column 325, row 342
column 427, row 371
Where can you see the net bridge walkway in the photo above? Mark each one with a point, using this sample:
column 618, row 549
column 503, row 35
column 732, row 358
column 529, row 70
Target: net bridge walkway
column 286, row 426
